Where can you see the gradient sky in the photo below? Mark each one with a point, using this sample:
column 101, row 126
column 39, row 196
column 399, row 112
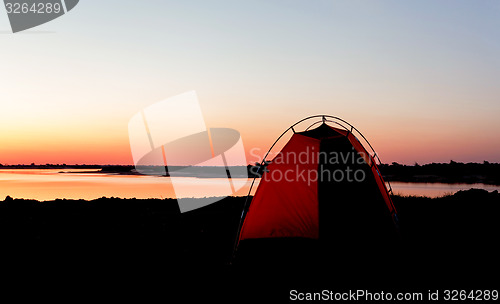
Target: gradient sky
column 420, row 79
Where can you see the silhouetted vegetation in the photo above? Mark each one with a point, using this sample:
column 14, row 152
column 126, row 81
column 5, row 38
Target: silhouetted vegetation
column 49, row 166
column 450, row 239
column 453, row 172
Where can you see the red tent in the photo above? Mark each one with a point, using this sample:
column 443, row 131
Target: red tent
column 323, row 185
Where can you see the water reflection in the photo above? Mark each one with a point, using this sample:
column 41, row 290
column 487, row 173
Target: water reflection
column 49, row 184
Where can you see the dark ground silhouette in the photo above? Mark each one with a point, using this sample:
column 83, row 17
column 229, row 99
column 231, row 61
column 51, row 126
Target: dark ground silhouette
column 121, row 245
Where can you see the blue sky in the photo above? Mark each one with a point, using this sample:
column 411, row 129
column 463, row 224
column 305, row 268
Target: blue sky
column 420, row 79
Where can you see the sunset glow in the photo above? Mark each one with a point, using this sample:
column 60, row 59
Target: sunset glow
column 419, row 79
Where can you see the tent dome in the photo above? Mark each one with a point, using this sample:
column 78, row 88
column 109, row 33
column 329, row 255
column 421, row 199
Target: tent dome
column 322, row 194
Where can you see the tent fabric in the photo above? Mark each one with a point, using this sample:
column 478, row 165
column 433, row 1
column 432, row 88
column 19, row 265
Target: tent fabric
column 322, row 206
column 376, row 172
column 283, row 205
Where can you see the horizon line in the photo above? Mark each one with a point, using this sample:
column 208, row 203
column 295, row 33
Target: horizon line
column 485, row 162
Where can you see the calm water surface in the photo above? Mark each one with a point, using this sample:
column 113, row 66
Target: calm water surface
column 49, row 184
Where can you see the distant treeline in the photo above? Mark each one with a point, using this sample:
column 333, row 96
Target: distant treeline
column 452, row 172
column 50, row 166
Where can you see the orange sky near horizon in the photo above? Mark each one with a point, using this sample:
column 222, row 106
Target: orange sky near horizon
column 419, row 91
column 84, row 146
